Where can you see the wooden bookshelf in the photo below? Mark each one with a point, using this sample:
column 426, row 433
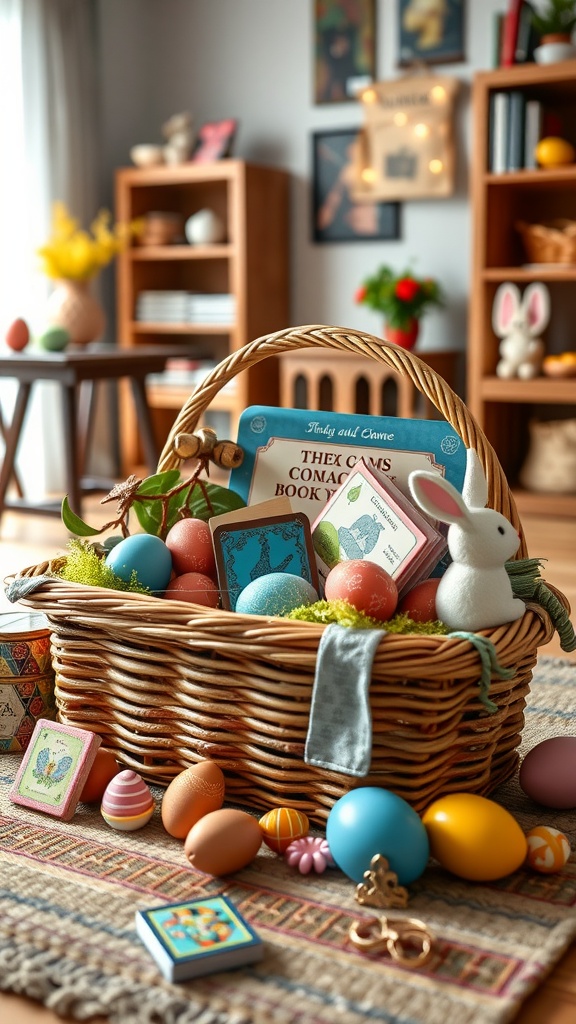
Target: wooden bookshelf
column 504, row 408
column 252, row 264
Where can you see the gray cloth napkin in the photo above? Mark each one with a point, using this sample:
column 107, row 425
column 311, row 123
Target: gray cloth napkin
column 26, row 585
column 340, row 727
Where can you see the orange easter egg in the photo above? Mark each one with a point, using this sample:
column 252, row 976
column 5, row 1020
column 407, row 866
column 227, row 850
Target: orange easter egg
column 281, row 826
column 103, row 770
column 18, row 335
column 548, row 849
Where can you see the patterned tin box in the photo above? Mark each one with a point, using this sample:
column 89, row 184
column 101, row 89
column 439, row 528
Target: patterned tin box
column 26, row 678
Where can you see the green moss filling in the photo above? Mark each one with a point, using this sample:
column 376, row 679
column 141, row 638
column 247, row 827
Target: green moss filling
column 84, row 565
column 325, row 612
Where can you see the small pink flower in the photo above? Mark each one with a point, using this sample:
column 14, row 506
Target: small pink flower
column 307, row 853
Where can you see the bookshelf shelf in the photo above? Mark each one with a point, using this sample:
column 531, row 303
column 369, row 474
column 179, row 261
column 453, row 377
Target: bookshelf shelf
column 251, row 266
column 504, row 408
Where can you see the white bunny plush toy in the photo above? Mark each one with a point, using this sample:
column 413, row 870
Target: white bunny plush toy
column 475, row 591
column 518, row 320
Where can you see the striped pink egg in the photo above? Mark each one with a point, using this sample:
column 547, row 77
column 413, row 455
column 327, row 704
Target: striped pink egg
column 126, row 795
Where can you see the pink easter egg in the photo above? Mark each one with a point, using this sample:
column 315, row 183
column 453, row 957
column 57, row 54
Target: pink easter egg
column 126, row 796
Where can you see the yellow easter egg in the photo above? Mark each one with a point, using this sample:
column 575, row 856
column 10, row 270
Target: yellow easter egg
column 474, row 838
column 281, row 826
column 548, row 849
column 553, row 151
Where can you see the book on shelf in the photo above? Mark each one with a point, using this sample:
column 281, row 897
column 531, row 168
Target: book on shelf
column 527, row 38
column 368, row 517
column 516, row 119
column 510, row 33
column 532, row 132
column 498, row 131
column 198, row 937
column 185, row 307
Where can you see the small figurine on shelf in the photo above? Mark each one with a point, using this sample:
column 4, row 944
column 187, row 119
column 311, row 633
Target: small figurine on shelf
column 519, row 320
column 180, row 136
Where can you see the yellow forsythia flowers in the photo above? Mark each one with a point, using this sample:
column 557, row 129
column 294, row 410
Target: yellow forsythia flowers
column 74, row 254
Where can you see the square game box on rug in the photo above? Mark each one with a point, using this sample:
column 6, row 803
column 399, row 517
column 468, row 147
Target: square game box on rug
column 197, row 937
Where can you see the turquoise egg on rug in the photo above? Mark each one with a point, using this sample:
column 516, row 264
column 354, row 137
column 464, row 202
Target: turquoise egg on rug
column 276, row 593
column 369, row 821
column 144, row 554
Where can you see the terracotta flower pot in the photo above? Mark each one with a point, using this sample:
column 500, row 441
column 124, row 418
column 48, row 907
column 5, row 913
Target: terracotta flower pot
column 404, row 338
column 73, row 307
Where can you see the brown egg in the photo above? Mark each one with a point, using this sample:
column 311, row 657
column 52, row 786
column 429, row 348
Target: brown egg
column 192, row 794
column 223, row 841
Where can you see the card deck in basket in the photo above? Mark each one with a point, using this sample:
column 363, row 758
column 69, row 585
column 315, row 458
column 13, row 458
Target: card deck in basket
column 369, row 517
column 54, row 768
column 245, row 551
column 200, row 936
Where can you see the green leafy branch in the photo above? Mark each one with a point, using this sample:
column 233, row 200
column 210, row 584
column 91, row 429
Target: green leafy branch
column 158, row 501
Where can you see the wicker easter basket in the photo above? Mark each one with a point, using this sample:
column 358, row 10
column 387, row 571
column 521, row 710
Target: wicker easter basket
column 167, row 684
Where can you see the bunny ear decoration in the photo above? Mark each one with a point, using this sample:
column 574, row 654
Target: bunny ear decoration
column 475, row 486
column 536, row 303
column 437, row 497
column 505, row 308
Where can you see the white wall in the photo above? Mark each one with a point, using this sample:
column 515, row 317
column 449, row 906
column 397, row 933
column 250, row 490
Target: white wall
column 253, row 60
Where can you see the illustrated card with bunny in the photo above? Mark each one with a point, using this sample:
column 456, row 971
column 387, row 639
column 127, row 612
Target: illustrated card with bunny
column 54, row 768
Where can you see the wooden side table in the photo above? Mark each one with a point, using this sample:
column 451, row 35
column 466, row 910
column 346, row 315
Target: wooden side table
column 70, row 369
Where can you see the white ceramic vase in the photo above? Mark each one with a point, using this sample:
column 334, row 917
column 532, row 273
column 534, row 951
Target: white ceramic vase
column 204, row 228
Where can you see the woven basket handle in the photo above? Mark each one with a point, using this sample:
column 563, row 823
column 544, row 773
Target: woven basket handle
column 341, row 339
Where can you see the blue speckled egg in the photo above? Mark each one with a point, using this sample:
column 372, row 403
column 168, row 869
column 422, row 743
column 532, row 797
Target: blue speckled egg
column 144, row 554
column 368, row 821
column 276, row 593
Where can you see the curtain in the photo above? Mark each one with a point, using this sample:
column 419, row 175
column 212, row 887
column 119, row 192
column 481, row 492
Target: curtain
column 49, row 147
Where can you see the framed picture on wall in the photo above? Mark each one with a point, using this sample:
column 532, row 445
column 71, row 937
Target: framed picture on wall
column 344, row 48
column 336, row 215
column 431, row 32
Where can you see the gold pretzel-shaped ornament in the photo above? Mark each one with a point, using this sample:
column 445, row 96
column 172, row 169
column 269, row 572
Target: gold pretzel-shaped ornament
column 407, row 940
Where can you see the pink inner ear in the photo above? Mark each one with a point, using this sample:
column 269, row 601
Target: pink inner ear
column 534, row 309
column 443, row 501
column 507, row 308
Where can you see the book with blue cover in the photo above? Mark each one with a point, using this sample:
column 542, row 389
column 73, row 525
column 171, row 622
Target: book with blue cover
column 306, row 455
column 196, row 937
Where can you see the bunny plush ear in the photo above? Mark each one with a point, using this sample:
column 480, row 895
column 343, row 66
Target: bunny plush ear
column 536, row 306
column 437, row 497
column 475, row 486
column 505, row 308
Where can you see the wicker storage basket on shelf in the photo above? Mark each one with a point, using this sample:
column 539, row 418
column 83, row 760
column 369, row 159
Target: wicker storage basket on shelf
column 551, row 242
column 167, row 684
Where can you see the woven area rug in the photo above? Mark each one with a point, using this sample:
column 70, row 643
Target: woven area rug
column 68, row 893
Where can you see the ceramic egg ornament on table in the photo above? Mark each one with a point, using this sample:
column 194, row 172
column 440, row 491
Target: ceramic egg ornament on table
column 127, row 803
column 475, row 591
column 17, row 335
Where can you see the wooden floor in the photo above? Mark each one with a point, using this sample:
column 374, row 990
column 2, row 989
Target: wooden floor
column 27, row 540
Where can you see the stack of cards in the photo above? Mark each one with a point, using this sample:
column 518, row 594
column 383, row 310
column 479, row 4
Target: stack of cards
column 369, row 517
